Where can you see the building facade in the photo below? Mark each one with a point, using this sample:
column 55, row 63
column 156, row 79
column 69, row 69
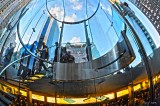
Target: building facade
column 8, row 19
column 151, row 8
column 49, row 35
column 7, row 9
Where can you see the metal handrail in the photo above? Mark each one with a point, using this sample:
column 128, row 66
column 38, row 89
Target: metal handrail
column 118, row 58
column 4, row 69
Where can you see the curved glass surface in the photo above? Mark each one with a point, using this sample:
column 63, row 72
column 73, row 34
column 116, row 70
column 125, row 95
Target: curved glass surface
column 93, row 32
column 72, row 11
column 97, row 28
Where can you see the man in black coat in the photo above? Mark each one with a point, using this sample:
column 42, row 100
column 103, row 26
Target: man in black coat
column 44, row 54
column 8, row 54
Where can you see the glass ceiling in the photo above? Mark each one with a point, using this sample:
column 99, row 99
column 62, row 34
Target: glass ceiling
column 71, row 11
column 80, row 26
column 71, row 21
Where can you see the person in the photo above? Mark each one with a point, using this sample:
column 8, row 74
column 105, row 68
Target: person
column 31, row 60
column 8, row 54
column 36, row 63
column 23, row 62
column 87, row 55
column 64, row 55
column 158, row 95
column 71, row 59
column 44, row 54
column 127, row 9
column 67, row 57
column 63, row 52
column 56, row 52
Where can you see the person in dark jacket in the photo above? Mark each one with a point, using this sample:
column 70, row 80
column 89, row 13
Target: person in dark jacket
column 8, row 54
column 67, row 58
column 71, row 58
column 44, row 54
column 64, row 55
column 56, row 52
column 23, row 63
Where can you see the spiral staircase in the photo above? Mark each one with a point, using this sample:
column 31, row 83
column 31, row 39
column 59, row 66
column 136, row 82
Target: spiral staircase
column 94, row 81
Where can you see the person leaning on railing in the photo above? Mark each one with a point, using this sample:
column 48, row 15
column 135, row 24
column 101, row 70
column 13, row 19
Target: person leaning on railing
column 44, row 54
column 8, row 54
column 67, row 58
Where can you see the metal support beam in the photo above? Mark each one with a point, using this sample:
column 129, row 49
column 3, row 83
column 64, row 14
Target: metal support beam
column 29, row 98
column 131, row 95
column 88, row 49
column 60, row 43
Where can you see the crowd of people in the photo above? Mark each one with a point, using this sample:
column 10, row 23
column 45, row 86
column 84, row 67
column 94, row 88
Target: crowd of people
column 65, row 56
column 141, row 98
column 38, row 65
column 31, row 65
column 7, row 55
column 34, row 65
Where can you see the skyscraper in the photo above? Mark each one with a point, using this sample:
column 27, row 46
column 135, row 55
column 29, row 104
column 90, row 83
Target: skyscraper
column 95, row 52
column 7, row 9
column 49, row 35
column 8, row 19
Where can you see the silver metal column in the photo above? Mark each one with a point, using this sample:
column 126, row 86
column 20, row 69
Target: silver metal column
column 88, row 49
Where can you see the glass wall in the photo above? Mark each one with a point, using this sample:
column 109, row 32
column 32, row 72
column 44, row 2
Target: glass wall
column 80, row 29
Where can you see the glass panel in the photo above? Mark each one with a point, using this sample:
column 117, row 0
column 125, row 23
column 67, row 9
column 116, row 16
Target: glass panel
column 135, row 48
column 37, row 26
column 72, row 10
column 141, row 36
column 104, row 36
column 74, row 33
column 106, row 7
column 91, row 7
column 75, row 10
column 119, row 26
column 104, row 31
column 74, row 39
column 117, row 22
column 56, row 8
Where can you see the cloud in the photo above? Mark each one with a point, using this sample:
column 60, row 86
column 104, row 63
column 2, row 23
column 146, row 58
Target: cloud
column 71, row 18
column 73, row 1
column 75, row 40
column 76, row 5
column 57, row 12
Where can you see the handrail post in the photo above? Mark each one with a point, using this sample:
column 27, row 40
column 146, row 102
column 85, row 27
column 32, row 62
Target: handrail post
column 29, row 98
column 5, row 75
column 88, row 49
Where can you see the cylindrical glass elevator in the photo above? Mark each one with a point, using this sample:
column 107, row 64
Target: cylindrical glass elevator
column 78, row 52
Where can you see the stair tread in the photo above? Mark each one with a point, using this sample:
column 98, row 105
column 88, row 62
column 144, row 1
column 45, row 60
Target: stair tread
column 5, row 100
column 2, row 104
column 9, row 95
